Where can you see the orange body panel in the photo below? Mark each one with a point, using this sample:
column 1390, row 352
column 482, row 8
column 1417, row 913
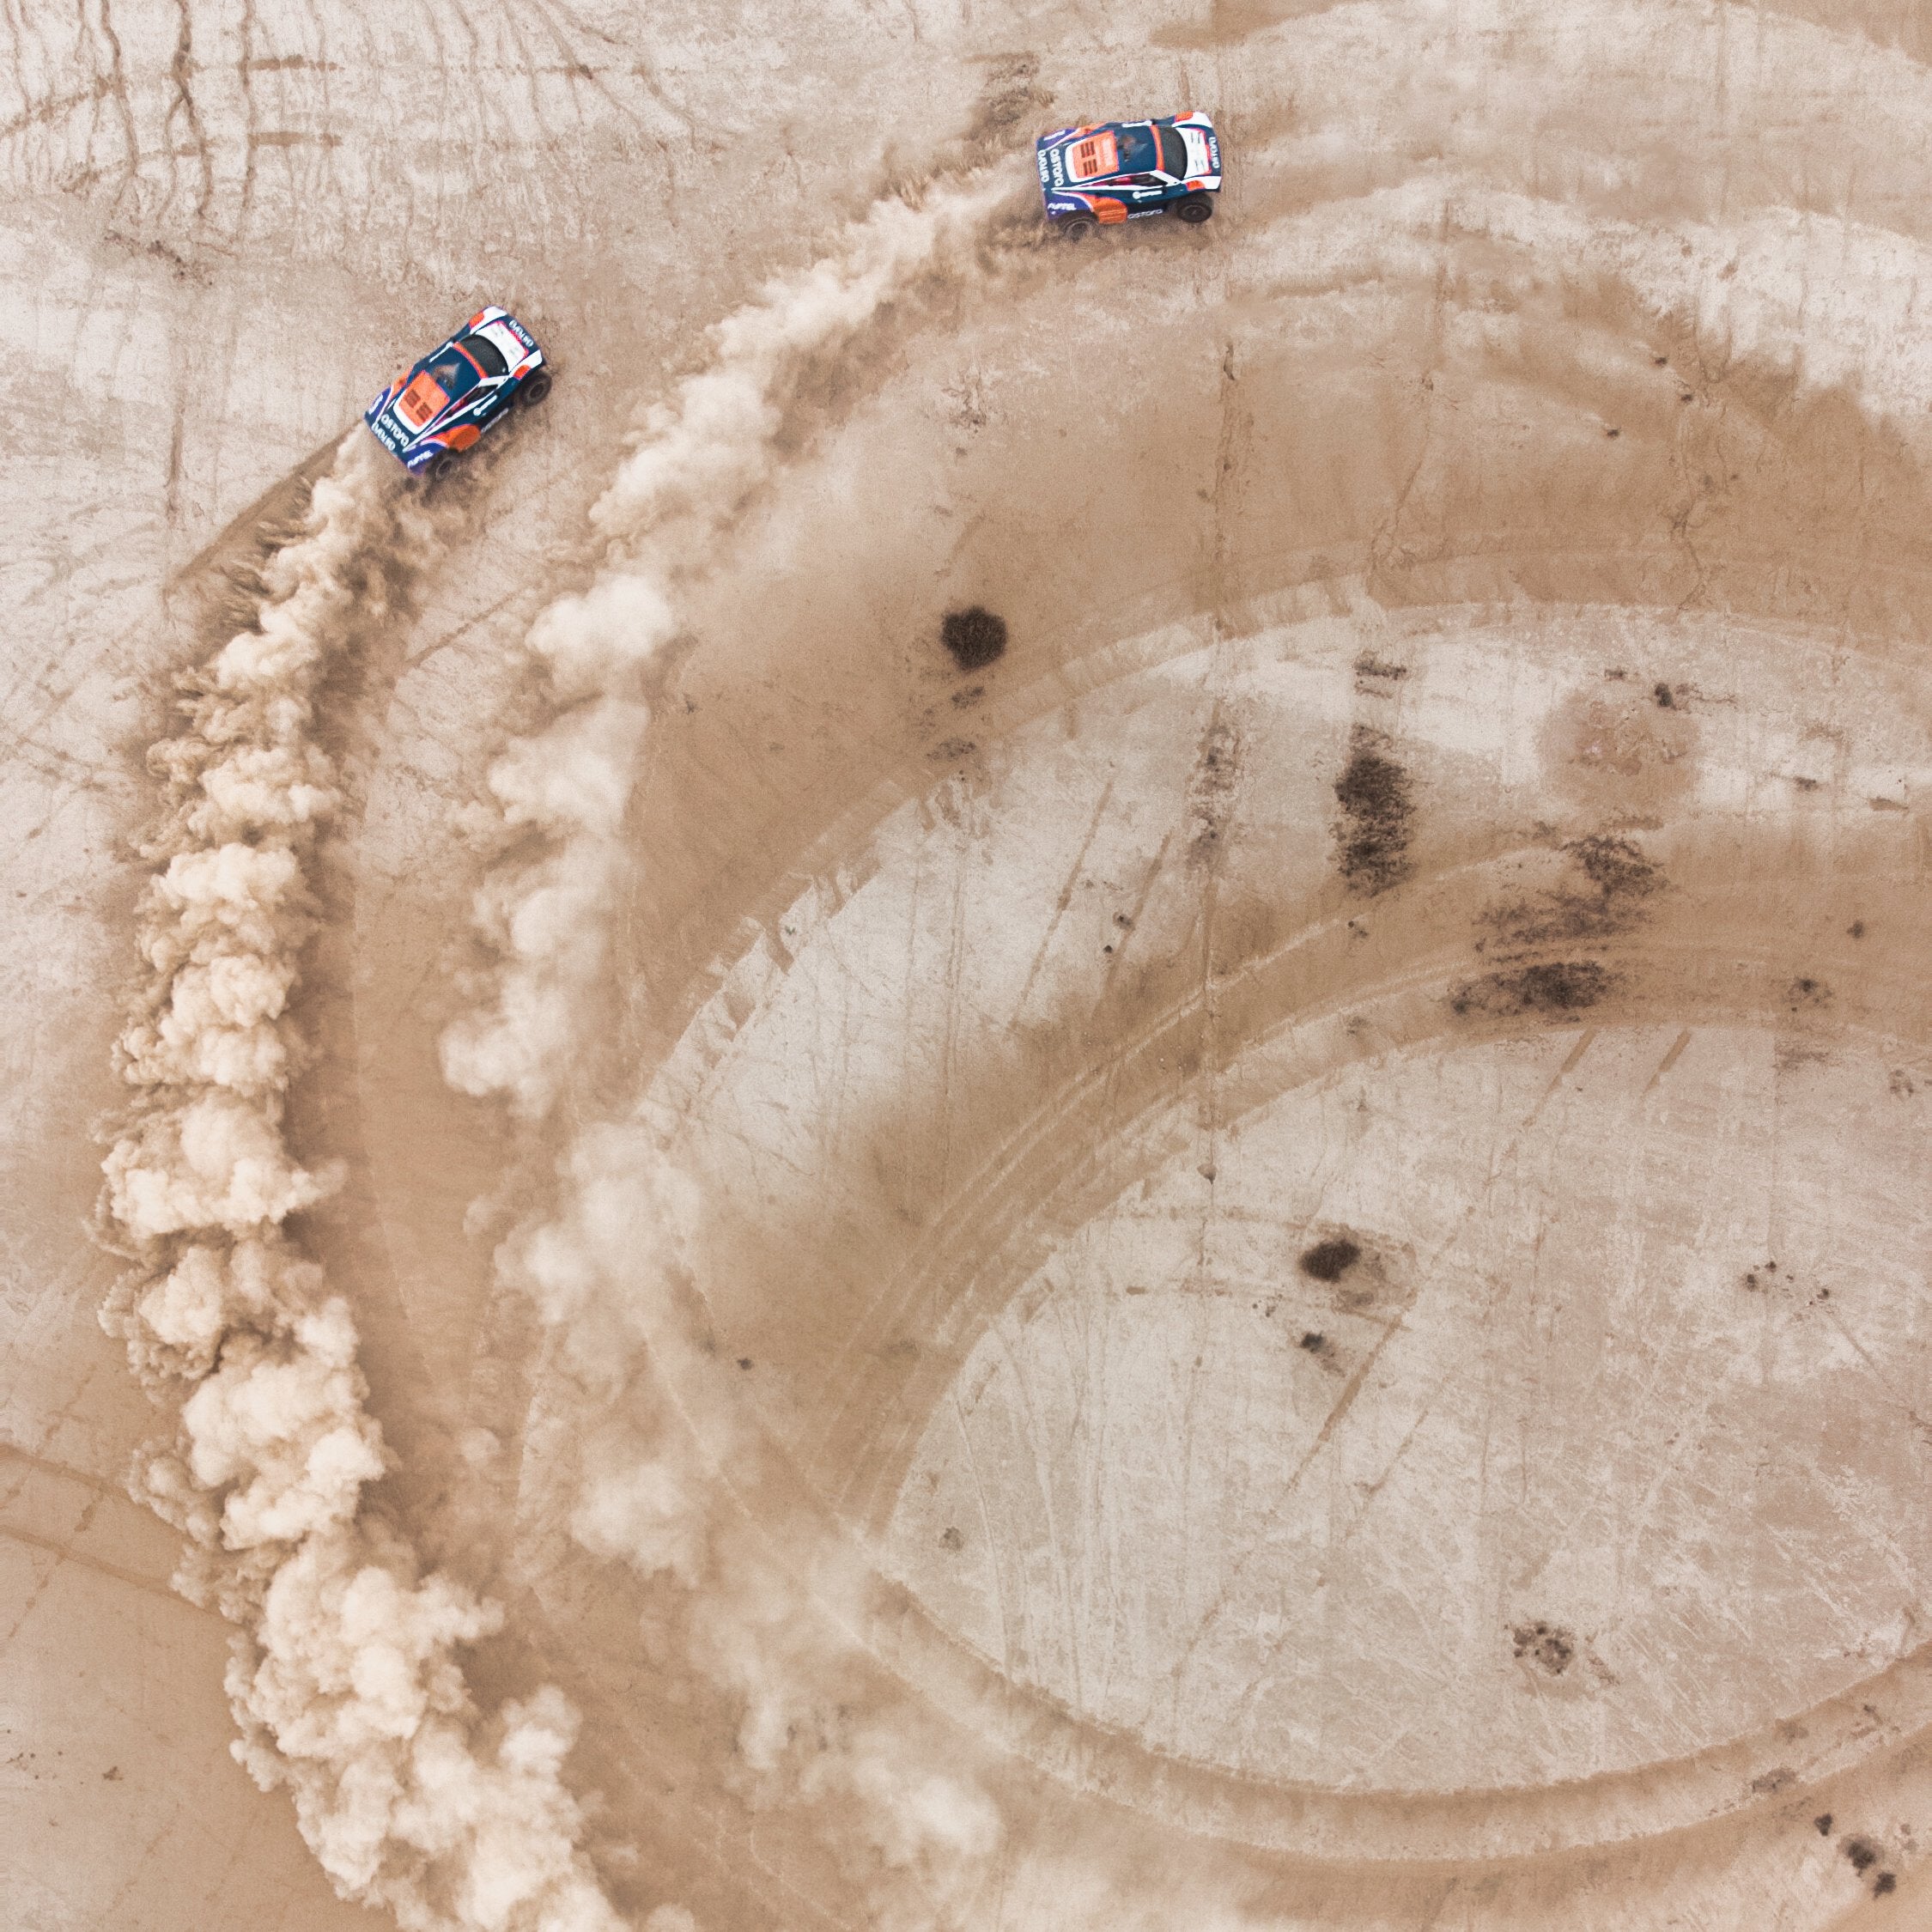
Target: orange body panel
column 423, row 401
column 1098, row 155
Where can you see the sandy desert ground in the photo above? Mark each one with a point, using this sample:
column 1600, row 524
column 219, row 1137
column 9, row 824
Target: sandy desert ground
column 1259, row 1267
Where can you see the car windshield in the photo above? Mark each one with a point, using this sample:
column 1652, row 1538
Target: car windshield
column 488, row 354
column 1174, row 153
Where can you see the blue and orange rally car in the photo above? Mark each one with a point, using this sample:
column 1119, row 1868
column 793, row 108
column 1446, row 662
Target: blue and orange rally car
column 491, row 366
column 1092, row 177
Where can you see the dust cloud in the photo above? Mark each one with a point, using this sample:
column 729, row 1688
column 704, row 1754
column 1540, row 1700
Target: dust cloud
column 657, row 1500
column 343, row 1678
column 699, row 461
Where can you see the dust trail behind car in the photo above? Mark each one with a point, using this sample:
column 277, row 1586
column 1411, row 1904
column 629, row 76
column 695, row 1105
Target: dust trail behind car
column 699, row 463
column 344, row 1677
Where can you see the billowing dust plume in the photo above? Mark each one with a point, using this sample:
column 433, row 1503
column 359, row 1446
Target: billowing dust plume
column 778, row 1630
column 343, row 1678
column 700, row 461
column 782, row 1627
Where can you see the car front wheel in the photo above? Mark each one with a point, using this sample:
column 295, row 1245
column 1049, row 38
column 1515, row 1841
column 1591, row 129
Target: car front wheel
column 534, row 389
column 443, row 468
column 1076, row 227
column 1196, row 209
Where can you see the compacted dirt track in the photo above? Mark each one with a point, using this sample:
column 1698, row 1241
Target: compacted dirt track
column 1116, row 1054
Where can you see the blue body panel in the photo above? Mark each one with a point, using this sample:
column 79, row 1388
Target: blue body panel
column 446, row 401
column 1116, row 171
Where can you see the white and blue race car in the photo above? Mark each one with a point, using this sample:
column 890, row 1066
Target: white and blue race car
column 491, row 366
column 1113, row 170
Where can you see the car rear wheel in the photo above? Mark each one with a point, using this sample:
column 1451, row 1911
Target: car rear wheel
column 443, row 468
column 533, row 390
column 1196, row 209
column 1076, row 227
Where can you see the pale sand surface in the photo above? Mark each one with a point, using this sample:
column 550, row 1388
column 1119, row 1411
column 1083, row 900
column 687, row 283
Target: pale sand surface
column 1145, row 1372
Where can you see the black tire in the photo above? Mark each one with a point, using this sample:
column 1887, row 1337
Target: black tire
column 1076, row 227
column 1196, row 209
column 533, row 389
column 443, row 468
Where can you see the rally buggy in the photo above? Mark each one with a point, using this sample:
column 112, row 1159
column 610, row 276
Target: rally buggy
column 1117, row 170
column 491, row 366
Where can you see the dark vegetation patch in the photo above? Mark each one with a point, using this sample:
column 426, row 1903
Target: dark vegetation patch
column 1210, row 789
column 1614, row 866
column 952, row 1539
column 1330, row 1260
column 1369, row 666
column 1857, row 929
column 1779, row 1777
column 1860, row 1853
column 1566, row 986
column 1378, row 807
column 1823, row 1821
column 1547, row 1646
column 1616, row 878
column 1315, row 1341
column 1665, row 696
column 976, row 636
column 1808, row 992
column 1884, row 1883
